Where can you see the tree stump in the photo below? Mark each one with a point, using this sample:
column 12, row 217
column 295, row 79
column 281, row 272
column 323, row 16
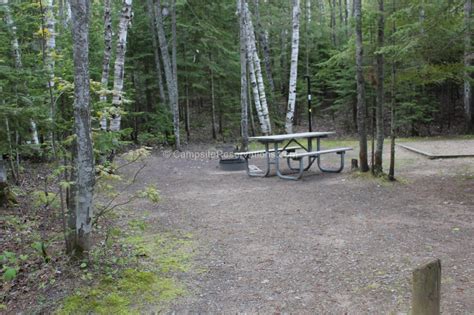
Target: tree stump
column 354, row 164
column 426, row 288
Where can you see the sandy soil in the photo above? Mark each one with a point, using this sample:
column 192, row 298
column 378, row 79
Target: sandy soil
column 328, row 244
column 442, row 147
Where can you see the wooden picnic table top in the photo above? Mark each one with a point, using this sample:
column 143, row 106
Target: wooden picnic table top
column 288, row 136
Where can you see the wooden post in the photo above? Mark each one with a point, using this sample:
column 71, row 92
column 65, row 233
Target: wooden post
column 426, row 289
column 354, row 164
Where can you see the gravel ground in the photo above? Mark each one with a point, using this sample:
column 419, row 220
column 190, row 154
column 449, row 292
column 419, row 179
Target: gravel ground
column 327, row 244
column 444, row 147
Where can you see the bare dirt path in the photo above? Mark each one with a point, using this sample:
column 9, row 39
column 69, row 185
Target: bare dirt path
column 328, row 244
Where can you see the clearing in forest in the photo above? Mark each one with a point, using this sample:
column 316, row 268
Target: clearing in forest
column 330, row 243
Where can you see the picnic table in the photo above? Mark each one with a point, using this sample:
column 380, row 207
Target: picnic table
column 292, row 150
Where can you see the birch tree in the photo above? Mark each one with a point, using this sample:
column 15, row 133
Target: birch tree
column 171, row 83
column 262, row 37
column 84, row 157
column 293, row 67
column 244, row 130
column 119, row 68
column 361, row 109
column 106, row 59
column 254, row 87
column 17, row 56
column 380, row 89
column 468, row 73
column 50, row 41
column 253, row 58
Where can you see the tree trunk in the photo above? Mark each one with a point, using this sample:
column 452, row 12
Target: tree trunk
column 253, row 58
column 3, row 183
column 378, row 169
column 294, row 67
column 50, row 46
column 174, row 62
column 156, row 51
column 119, row 68
column 186, row 91
column 391, row 172
column 170, row 78
column 213, row 105
column 265, row 47
column 346, row 18
column 256, row 97
column 468, row 73
column 106, row 59
column 332, row 7
column 84, row 163
column 361, row 108
column 308, row 42
column 244, row 130
column 17, row 56
column 284, row 65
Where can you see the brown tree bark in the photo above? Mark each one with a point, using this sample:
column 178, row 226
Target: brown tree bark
column 378, row 169
column 361, row 106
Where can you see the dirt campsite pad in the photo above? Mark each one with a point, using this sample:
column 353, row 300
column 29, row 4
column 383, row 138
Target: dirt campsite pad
column 328, row 244
column 439, row 149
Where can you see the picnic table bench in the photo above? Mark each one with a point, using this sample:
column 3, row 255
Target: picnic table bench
column 290, row 153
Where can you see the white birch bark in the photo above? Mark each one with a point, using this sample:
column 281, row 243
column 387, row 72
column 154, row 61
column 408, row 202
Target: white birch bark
column 244, row 128
column 254, row 87
column 254, row 58
column 17, row 56
column 168, row 67
column 119, row 68
column 84, row 159
column 294, row 67
column 106, row 59
column 50, row 41
column 174, row 63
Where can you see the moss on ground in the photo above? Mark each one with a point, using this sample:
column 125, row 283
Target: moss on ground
column 150, row 286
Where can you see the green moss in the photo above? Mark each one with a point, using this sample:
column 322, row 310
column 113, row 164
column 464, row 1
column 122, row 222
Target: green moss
column 131, row 293
column 135, row 290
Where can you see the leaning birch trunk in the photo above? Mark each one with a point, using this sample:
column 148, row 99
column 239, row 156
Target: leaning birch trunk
column 84, row 163
column 254, row 87
column 156, row 53
column 294, row 67
column 380, row 90
column 265, row 47
column 468, row 73
column 106, row 60
column 119, row 69
column 253, row 57
column 167, row 64
column 17, row 55
column 361, row 110
column 244, row 130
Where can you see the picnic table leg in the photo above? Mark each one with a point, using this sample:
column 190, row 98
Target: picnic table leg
column 277, row 162
column 267, row 159
column 311, row 159
column 327, row 170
